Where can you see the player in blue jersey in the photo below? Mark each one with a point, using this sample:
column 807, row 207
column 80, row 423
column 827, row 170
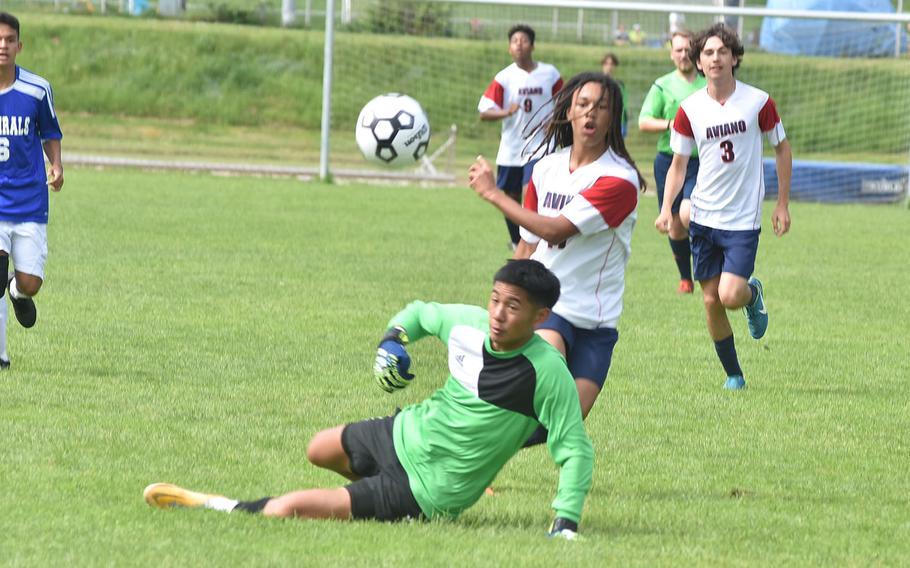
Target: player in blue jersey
column 28, row 131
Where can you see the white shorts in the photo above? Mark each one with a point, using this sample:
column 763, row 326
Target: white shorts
column 26, row 244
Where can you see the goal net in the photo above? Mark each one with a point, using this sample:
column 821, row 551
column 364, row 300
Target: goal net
column 843, row 100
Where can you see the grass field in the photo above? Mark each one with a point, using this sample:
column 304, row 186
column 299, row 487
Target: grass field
column 200, row 329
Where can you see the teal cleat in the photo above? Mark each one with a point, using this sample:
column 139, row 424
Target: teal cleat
column 757, row 313
column 735, row 382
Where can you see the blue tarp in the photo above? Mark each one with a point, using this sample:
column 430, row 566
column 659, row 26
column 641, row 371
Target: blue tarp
column 832, row 38
column 840, row 182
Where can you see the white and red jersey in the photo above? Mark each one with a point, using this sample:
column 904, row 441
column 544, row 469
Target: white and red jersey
column 600, row 199
column 534, row 93
column 730, row 187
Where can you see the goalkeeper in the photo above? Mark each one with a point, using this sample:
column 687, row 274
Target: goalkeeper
column 435, row 458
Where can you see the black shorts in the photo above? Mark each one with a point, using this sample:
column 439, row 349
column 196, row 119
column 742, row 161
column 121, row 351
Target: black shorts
column 384, row 492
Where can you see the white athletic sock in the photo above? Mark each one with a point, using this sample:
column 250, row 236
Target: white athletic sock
column 14, row 291
column 221, row 504
column 4, row 315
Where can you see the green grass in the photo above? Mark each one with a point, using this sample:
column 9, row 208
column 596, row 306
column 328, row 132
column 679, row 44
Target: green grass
column 200, row 329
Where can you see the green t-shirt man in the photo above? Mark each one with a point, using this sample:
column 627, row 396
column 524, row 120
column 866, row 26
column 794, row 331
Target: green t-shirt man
column 453, row 444
column 435, row 458
column 663, row 101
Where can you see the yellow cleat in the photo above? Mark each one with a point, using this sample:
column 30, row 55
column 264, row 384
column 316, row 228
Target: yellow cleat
column 167, row 495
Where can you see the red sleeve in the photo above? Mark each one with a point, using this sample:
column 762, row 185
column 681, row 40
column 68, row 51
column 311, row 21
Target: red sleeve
column 767, row 116
column 531, row 197
column 557, row 86
column 495, row 93
column 682, row 125
column 614, row 198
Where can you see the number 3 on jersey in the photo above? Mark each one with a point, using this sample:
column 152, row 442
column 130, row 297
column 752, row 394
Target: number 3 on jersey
column 727, row 154
column 4, row 148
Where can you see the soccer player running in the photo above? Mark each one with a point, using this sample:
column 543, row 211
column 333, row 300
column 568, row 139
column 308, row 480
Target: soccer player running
column 725, row 122
column 656, row 115
column 435, row 458
column 28, row 124
column 577, row 220
column 520, row 96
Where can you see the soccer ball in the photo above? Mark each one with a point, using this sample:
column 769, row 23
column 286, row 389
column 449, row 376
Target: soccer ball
column 392, row 129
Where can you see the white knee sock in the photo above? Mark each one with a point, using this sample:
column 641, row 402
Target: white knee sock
column 4, row 316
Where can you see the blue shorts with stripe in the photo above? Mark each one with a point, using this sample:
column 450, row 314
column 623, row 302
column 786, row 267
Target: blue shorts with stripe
column 718, row 250
column 588, row 351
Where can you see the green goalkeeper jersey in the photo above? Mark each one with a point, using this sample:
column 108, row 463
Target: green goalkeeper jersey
column 663, row 101
column 454, row 443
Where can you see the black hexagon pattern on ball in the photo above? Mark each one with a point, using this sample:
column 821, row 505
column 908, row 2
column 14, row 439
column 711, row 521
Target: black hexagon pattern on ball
column 384, row 146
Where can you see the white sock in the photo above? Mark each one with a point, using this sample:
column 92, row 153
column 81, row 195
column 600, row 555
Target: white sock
column 221, row 504
column 14, row 291
column 4, row 315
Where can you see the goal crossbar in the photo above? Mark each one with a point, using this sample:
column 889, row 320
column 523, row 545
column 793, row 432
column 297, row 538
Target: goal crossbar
column 693, row 9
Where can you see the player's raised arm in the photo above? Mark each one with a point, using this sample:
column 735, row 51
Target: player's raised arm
column 551, row 229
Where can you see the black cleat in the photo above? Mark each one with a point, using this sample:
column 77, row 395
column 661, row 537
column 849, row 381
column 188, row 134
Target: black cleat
column 4, row 364
column 25, row 309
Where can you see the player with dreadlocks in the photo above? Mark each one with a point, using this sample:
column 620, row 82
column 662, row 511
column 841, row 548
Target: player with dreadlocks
column 577, row 220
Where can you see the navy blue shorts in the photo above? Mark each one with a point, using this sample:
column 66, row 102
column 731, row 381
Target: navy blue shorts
column 384, row 491
column 716, row 250
column 588, row 351
column 661, row 167
column 512, row 179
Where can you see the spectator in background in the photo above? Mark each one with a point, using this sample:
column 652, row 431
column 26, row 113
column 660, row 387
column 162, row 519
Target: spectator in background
column 637, row 36
column 621, row 36
column 608, row 65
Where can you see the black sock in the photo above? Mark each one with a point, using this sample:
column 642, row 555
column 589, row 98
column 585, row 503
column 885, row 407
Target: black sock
column 538, row 437
column 754, row 290
column 726, row 352
column 253, row 506
column 514, row 233
column 682, row 253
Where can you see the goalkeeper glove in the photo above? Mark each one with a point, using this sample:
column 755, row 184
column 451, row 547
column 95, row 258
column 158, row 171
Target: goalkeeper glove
column 392, row 361
column 563, row 528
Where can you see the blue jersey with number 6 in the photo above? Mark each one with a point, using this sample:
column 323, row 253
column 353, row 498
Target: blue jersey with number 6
column 27, row 119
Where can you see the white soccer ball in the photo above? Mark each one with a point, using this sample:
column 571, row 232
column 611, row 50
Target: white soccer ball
column 392, row 129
